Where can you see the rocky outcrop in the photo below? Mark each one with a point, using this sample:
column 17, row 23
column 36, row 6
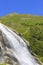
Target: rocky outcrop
column 6, row 53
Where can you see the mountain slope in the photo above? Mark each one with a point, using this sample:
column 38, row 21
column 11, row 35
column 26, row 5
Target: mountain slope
column 30, row 27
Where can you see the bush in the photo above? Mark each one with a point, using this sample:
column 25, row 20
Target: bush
column 36, row 40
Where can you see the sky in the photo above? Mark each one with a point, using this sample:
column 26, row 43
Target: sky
column 34, row 7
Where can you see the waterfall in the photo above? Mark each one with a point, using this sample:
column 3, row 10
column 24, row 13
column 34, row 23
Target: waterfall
column 17, row 47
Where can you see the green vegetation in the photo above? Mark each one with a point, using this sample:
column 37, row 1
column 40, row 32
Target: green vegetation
column 3, row 64
column 31, row 28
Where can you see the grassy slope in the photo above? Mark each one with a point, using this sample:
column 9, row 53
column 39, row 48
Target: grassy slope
column 22, row 23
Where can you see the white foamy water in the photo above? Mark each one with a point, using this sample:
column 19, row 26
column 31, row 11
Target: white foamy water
column 19, row 47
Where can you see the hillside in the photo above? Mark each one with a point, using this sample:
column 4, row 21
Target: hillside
column 30, row 27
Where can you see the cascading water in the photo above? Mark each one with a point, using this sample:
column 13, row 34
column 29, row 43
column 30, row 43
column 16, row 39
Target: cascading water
column 18, row 47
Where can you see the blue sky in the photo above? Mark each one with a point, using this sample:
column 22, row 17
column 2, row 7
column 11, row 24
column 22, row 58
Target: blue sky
column 21, row 6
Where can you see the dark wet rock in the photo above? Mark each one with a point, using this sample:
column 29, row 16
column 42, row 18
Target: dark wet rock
column 1, row 53
column 8, row 60
column 6, row 43
column 10, row 56
column 4, row 56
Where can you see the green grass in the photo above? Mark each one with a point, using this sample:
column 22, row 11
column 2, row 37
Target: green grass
column 31, row 28
column 3, row 63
